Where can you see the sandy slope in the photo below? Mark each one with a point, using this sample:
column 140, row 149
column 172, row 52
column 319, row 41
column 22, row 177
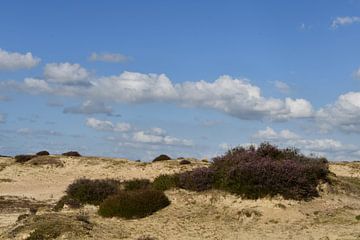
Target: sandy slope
column 208, row 215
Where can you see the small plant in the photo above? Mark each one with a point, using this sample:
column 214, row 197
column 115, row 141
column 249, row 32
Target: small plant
column 92, row 191
column 184, row 162
column 357, row 217
column 72, row 154
column 146, row 237
column 66, row 200
column 133, row 204
column 83, row 217
column 162, row 157
column 23, row 158
column 43, row 153
column 136, row 184
column 165, row 182
column 199, row 179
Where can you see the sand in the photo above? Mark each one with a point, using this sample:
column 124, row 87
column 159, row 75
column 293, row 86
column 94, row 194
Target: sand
column 208, row 215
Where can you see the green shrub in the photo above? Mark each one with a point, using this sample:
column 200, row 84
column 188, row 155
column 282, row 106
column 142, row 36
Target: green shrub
column 42, row 153
column 162, row 157
column 92, row 191
column 71, row 202
column 71, row 154
column 165, row 182
column 136, row 184
column 357, row 217
column 133, row 204
column 184, row 162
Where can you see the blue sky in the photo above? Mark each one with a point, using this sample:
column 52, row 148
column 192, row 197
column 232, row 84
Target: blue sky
column 188, row 78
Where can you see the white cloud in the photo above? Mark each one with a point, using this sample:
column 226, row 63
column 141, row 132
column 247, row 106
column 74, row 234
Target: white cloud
column 236, row 97
column 323, row 146
column 340, row 21
column 271, row 134
column 134, row 87
column 109, row 57
column 89, row 107
column 344, row 114
column 154, row 138
column 239, row 98
column 36, row 86
column 282, row 87
column 65, row 73
column 14, row 61
column 102, row 125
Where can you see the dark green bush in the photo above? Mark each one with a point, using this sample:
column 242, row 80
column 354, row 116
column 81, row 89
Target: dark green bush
column 43, row 153
column 71, row 154
column 165, row 182
column 92, row 191
column 162, row 157
column 268, row 171
column 23, row 158
column 71, row 202
column 199, row 179
column 133, row 204
column 136, row 184
column 184, row 162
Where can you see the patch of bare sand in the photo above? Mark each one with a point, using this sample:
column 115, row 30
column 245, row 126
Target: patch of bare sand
column 208, row 215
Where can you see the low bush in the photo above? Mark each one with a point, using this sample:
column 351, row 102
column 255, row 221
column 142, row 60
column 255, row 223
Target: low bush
column 92, row 191
column 71, row 154
column 43, row 153
column 66, row 200
column 162, row 157
column 134, row 204
column 136, row 184
column 23, row 158
column 268, row 171
column 165, row 182
column 184, row 162
column 199, row 179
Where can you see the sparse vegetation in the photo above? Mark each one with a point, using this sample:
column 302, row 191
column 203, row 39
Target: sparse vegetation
column 23, row 158
column 72, row 154
column 46, row 160
column 92, row 191
column 165, row 182
column 357, row 217
column 133, row 204
column 162, row 157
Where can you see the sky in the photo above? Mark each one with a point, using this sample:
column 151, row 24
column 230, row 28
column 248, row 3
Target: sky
column 137, row 79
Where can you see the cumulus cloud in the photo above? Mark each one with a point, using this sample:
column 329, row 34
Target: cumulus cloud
column 282, row 87
column 103, row 125
column 154, row 136
column 109, row 57
column 14, row 60
column 347, row 20
column 236, row 97
column 89, row 107
column 322, row 146
column 134, row 87
column 271, row 134
column 344, row 114
column 66, row 73
column 241, row 99
column 34, row 85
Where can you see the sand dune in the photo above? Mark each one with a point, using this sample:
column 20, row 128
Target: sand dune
column 208, row 215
